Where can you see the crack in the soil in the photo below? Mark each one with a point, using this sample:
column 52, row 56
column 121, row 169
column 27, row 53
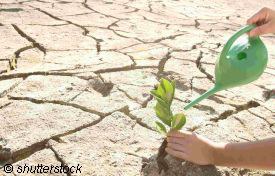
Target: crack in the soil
column 85, row 30
column 5, row 156
column 166, row 24
column 48, row 24
column 245, row 127
column 59, row 102
column 136, row 38
column 78, row 14
column 138, row 9
column 58, row 157
column 261, row 117
column 126, row 54
column 3, row 71
column 127, row 112
column 30, row 39
column 210, row 109
column 201, row 68
column 135, row 10
column 145, row 103
column 144, row 159
column 150, row 7
column 61, row 73
column 142, row 103
column 43, row 73
column 101, row 86
column 5, row 92
column 20, row 50
column 21, row 2
column 267, row 94
column 14, row 59
column 167, row 37
column 197, row 24
column 88, row 7
column 140, row 40
column 26, row 152
column 95, row 122
column 162, row 63
column 123, row 36
column 239, row 108
column 5, row 105
column 74, row 97
column 113, row 24
column 125, row 68
column 127, row 95
column 42, row 1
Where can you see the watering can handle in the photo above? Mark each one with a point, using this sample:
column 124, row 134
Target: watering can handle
column 230, row 42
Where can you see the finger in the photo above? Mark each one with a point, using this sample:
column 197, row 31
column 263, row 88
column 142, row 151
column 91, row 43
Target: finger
column 177, row 147
column 175, row 153
column 260, row 30
column 259, row 16
column 175, row 140
column 179, row 134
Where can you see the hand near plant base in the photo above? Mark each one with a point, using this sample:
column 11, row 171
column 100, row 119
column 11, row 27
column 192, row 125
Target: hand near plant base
column 200, row 150
column 191, row 147
column 265, row 21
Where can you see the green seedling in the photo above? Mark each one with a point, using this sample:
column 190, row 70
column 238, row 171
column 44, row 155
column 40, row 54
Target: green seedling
column 164, row 94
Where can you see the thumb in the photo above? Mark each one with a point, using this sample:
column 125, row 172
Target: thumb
column 260, row 30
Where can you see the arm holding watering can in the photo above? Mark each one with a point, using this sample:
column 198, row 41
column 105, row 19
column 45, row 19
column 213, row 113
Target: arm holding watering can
column 200, row 150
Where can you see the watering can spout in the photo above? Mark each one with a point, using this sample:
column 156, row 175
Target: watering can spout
column 203, row 96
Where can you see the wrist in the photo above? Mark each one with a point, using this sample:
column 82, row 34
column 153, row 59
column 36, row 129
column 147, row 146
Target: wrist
column 217, row 153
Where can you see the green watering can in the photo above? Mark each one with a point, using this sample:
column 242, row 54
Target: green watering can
column 240, row 63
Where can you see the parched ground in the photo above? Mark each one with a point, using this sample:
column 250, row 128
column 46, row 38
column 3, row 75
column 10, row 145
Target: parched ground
column 75, row 77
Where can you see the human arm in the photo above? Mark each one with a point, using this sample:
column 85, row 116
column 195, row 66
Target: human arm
column 200, row 150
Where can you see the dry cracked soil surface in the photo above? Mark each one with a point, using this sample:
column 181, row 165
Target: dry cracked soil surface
column 75, row 77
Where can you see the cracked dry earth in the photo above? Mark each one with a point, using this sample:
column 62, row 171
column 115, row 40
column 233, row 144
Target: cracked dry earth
column 75, row 77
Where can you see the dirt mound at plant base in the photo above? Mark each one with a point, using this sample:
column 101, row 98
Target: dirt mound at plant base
column 183, row 168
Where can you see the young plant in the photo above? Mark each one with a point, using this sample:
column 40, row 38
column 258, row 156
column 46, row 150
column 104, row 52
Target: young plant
column 164, row 94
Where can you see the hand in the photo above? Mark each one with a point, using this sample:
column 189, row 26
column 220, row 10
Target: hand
column 265, row 21
column 191, row 147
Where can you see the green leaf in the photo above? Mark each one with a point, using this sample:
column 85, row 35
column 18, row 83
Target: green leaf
column 155, row 94
column 178, row 121
column 161, row 101
column 173, row 83
column 168, row 89
column 167, row 86
column 161, row 92
column 163, row 113
column 161, row 128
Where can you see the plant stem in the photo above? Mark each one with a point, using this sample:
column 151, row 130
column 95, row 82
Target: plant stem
column 162, row 165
